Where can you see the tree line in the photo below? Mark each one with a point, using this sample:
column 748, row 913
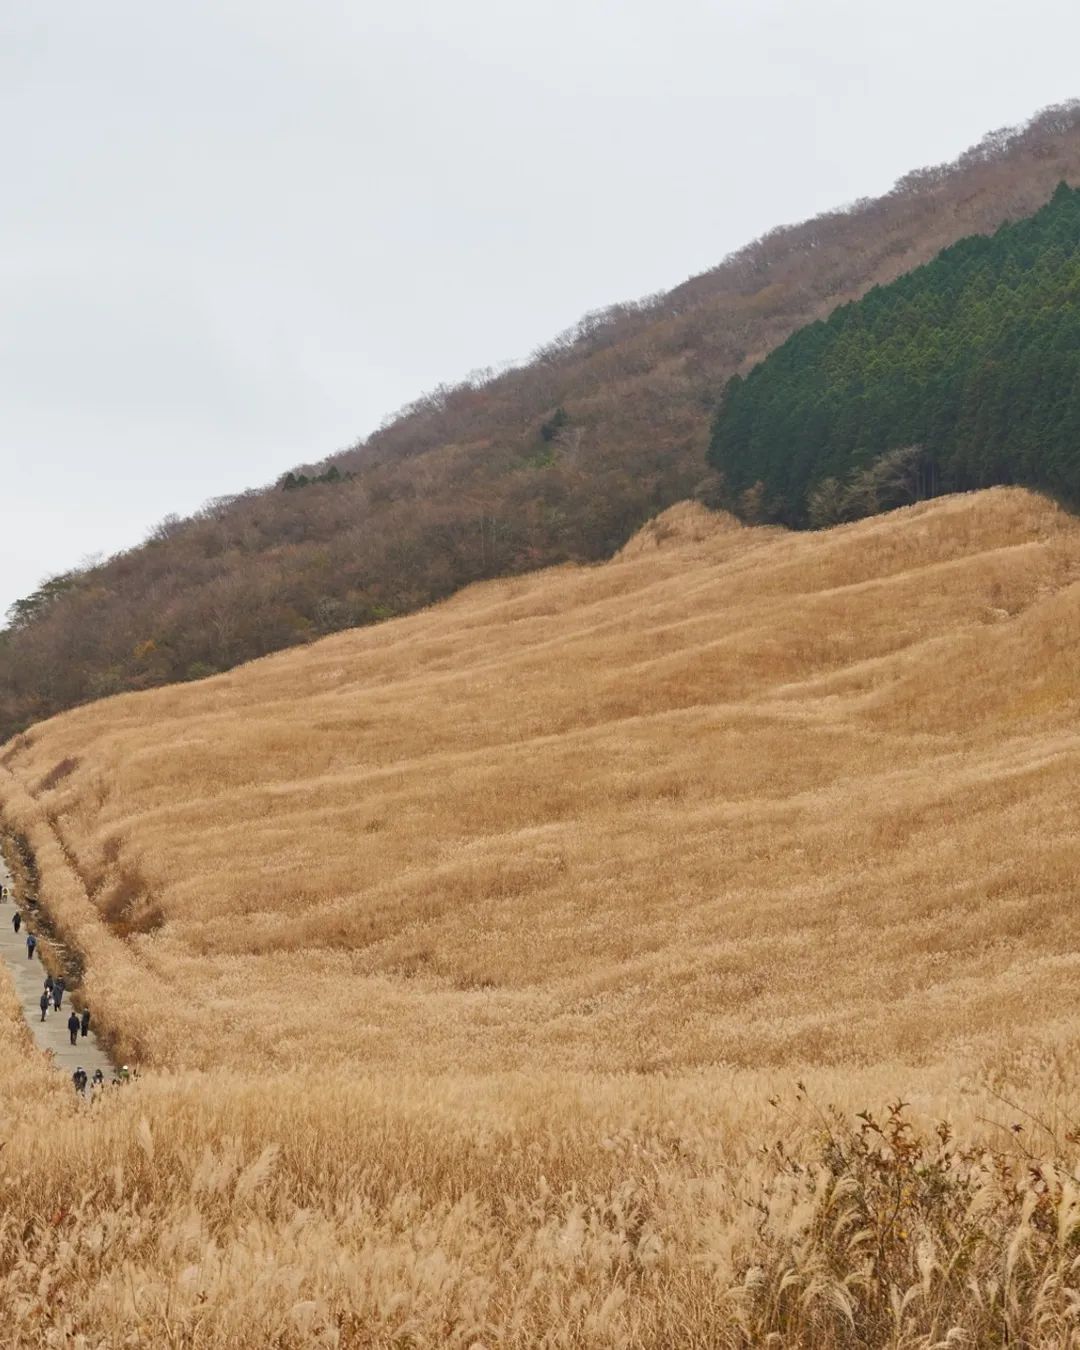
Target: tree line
column 961, row 374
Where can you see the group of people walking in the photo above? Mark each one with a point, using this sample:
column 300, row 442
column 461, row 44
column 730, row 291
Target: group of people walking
column 78, row 1024
column 79, row 1078
column 54, row 993
column 81, row 1081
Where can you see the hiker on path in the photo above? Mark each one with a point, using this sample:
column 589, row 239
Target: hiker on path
column 85, row 1020
column 49, row 983
column 123, row 1074
column 16, row 921
column 79, row 1079
column 98, row 1079
column 43, row 1004
column 73, row 1027
column 31, row 943
column 58, row 992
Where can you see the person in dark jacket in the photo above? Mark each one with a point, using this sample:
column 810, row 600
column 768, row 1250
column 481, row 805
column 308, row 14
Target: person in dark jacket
column 79, row 1079
column 16, row 921
column 73, row 1026
column 31, row 943
column 85, row 1021
column 43, row 1004
column 49, row 983
column 58, row 992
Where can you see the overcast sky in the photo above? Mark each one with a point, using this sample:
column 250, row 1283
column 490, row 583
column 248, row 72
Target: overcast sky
column 235, row 234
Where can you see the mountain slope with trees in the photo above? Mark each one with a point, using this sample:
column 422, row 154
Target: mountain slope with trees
column 560, row 459
column 962, row 374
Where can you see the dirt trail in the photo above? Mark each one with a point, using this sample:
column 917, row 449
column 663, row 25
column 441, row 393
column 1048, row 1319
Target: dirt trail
column 29, row 978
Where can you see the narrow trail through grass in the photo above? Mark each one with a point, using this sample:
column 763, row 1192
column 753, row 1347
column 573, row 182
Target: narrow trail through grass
column 28, row 975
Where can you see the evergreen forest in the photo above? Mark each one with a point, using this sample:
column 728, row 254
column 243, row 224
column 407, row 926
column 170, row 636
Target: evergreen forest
column 962, row 374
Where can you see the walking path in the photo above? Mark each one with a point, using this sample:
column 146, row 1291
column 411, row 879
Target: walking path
column 29, row 977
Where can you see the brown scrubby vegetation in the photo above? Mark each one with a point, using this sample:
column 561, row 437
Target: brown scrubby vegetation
column 560, row 459
column 676, row 951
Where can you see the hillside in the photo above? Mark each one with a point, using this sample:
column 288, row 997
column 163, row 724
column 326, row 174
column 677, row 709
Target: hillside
column 561, row 459
column 973, row 361
column 548, row 822
column 471, row 960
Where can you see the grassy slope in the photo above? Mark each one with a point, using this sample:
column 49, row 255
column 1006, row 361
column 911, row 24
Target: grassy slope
column 804, row 804
column 701, row 804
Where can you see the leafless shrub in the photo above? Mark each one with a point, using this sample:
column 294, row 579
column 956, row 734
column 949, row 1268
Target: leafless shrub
column 896, row 478
column 58, row 773
column 126, row 905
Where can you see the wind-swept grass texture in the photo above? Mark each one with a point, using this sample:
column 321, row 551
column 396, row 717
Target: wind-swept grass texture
column 223, row 1211
column 482, row 939
column 740, row 796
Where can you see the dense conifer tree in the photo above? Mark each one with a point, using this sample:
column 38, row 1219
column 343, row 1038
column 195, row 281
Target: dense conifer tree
column 974, row 358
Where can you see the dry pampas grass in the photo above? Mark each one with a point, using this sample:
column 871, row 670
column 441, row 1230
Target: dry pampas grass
column 464, row 955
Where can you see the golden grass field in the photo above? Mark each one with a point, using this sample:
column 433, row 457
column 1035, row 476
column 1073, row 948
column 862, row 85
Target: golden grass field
column 462, row 956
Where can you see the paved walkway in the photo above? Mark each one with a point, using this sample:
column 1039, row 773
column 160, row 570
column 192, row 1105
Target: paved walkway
column 51, row 1035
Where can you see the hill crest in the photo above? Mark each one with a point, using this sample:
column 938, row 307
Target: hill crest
column 560, row 460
